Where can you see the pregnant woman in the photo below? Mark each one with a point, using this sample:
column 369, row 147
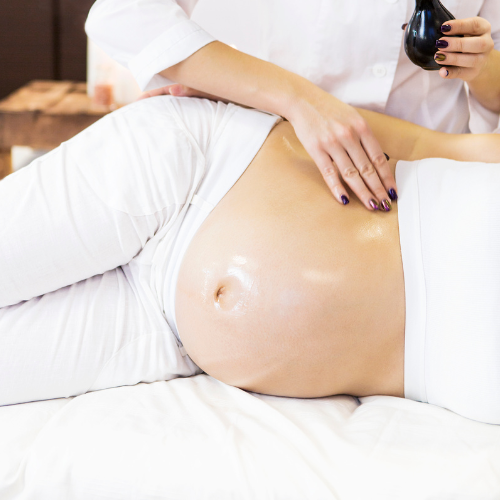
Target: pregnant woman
column 178, row 235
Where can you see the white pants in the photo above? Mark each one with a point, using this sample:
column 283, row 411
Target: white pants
column 449, row 223
column 87, row 235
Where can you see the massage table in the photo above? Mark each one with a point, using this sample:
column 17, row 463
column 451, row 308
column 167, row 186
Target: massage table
column 197, row 438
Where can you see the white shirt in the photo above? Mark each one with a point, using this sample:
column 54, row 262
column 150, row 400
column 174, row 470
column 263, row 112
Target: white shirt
column 352, row 49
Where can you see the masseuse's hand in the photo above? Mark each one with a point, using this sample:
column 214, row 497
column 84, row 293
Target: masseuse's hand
column 466, row 57
column 179, row 90
column 339, row 141
column 344, row 148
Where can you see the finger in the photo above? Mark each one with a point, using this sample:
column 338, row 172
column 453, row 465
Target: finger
column 151, row 93
column 462, row 60
column 368, row 172
column 469, row 45
column 154, row 93
column 380, row 161
column 331, row 176
column 471, row 26
column 351, row 176
column 178, row 90
column 452, row 73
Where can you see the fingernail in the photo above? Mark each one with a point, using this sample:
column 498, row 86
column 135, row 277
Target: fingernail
column 386, row 205
column 447, row 72
column 441, row 44
column 345, row 200
column 404, row 26
column 393, row 195
column 445, row 28
column 374, row 205
column 387, row 156
column 440, row 57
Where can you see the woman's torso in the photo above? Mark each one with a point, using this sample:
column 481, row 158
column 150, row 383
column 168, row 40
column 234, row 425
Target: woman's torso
column 284, row 291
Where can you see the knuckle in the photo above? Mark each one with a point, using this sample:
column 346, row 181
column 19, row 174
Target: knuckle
column 476, row 25
column 367, row 169
column 329, row 171
column 361, row 126
column 330, row 139
column 350, row 173
column 484, row 44
column 347, row 134
column 316, row 144
column 379, row 161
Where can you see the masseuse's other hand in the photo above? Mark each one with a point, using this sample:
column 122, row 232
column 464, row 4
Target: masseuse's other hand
column 178, row 90
column 338, row 140
column 466, row 57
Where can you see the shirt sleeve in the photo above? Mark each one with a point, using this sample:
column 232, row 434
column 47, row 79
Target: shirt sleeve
column 146, row 36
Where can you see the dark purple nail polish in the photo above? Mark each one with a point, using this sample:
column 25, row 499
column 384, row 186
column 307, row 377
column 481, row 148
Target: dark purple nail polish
column 393, row 195
column 374, row 205
column 445, row 28
column 441, row 44
column 386, row 205
column 447, row 73
column 387, row 156
column 345, row 200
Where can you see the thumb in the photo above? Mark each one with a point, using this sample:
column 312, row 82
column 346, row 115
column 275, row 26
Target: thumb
column 179, row 90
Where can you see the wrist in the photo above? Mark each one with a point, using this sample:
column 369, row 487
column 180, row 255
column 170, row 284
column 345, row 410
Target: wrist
column 300, row 93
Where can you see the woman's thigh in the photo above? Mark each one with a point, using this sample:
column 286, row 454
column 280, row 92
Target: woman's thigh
column 98, row 333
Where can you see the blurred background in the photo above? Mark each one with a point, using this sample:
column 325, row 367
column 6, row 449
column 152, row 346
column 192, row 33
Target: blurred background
column 42, row 39
column 45, row 40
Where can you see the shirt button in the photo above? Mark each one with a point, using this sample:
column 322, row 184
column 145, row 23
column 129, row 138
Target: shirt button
column 379, row 70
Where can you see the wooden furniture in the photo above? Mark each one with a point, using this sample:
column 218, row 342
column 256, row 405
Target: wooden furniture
column 42, row 114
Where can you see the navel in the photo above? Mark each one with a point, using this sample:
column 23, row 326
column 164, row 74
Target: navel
column 233, row 292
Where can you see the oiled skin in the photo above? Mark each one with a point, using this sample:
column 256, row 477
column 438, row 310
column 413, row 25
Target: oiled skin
column 283, row 291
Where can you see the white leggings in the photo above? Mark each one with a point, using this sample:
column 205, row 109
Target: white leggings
column 91, row 236
column 84, row 315
column 449, row 224
column 94, row 334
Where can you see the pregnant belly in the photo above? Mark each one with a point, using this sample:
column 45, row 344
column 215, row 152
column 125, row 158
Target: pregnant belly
column 283, row 291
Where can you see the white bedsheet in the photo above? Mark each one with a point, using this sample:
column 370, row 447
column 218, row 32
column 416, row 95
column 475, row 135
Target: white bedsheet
column 199, row 439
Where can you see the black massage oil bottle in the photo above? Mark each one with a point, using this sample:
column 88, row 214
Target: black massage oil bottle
column 422, row 32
